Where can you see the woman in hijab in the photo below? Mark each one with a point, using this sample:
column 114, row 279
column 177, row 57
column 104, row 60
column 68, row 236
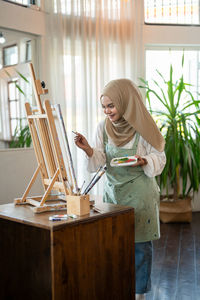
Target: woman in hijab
column 129, row 129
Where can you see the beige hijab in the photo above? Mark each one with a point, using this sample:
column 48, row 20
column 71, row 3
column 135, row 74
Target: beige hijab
column 127, row 99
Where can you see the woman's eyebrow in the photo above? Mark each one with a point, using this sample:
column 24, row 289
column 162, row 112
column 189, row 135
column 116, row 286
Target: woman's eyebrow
column 110, row 104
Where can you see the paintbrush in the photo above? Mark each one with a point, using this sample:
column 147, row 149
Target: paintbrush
column 93, row 178
column 81, row 187
column 96, row 180
column 74, row 132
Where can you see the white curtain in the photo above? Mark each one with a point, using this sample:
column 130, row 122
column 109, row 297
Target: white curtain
column 88, row 44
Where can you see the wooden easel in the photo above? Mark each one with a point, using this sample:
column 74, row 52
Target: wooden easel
column 50, row 161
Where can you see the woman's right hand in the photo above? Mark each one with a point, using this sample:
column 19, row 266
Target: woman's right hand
column 82, row 143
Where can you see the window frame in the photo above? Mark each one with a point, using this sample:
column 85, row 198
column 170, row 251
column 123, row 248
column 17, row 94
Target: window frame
column 16, row 3
column 3, row 55
column 27, row 49
column 9, row 101
column 30, row 2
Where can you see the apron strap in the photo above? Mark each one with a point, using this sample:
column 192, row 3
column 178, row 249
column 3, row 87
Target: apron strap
column 135, row 144
column 105, row 137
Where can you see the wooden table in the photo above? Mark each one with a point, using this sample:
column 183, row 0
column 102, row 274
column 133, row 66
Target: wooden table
column 91, row 257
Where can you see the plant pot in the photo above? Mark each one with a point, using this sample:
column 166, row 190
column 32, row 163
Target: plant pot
column 178, row 211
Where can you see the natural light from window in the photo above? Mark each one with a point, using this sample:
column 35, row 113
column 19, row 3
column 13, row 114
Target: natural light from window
column 10, row 55
column 23, row 2
column 161, row 59
column 172, row 11
column 89, row 8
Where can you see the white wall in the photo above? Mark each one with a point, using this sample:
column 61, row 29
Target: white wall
column 27, row 21
column 173, row 35
column 16, row 169
column 22, row 18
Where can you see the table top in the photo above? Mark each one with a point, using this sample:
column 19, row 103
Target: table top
column 24, row 214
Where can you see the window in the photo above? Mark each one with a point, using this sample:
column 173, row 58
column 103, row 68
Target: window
column 13, row 100
column 17, row 117
column 10, row 55
column 28, row 51
column 172, row 11
column 15, row 90
column 161, row 59
column 15, row 83
column 23, row 2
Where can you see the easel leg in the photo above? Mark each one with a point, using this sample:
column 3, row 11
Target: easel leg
column 49, row 187
column 30, row 184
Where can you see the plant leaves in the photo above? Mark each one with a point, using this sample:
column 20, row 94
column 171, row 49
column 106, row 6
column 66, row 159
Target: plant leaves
column 179, row 120
column 22, row 76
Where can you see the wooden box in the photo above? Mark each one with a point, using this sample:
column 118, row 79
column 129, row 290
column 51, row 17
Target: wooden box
column 78, row 205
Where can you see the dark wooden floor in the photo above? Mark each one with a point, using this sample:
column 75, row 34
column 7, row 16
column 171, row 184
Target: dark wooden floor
column 176, row 262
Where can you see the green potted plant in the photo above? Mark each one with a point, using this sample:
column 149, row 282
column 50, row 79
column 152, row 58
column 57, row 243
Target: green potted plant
column 21, row 138
column 178, row 119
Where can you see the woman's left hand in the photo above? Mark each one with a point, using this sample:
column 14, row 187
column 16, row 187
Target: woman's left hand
column 141, row 161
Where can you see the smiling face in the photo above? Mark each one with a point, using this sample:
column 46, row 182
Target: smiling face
column 109, row 109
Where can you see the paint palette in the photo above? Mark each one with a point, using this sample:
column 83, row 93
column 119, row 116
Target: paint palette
column 123, row 161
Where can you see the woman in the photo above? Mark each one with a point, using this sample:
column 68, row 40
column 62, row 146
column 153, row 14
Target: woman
column 129, row 129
